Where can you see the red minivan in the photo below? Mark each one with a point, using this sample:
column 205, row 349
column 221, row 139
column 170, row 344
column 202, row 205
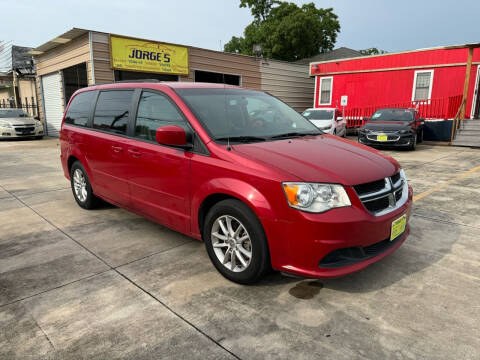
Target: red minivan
column 240, row 170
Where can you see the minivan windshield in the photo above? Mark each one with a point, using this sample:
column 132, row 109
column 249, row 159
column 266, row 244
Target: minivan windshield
column 392, row 115
column 13, row 113
column 319, row 114
column 240, row 115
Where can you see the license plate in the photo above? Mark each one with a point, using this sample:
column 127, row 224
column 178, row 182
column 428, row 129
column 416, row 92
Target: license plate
column 382, row 137
column 398, row 227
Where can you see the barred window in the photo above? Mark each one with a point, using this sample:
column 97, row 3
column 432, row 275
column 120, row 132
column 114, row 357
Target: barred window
column 325, row 91
column 423, row 85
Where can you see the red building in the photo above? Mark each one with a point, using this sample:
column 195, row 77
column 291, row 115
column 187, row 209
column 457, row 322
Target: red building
column 432, row 80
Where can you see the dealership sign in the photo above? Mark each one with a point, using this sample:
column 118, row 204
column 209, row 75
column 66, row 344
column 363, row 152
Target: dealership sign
column 148, row 56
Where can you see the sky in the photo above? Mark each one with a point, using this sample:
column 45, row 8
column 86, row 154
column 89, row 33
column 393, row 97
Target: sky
column 385, row 24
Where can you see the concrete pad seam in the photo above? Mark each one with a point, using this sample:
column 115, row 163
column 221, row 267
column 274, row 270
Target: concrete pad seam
column 428, row 162
column 44, row 333
column 445, row 221
column 42, row 192
column 177, row 314
column 474, row 278
column 150, row 255
column 54, row 288
column 129, row 280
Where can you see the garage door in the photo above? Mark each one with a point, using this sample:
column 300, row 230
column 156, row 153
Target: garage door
column 53, row 102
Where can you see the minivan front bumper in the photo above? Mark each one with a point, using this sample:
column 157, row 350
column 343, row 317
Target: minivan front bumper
column 335, row 243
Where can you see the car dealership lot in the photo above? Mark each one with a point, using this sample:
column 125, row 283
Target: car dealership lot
column 109, row 284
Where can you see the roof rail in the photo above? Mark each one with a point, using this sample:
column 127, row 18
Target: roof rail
column 138, row 81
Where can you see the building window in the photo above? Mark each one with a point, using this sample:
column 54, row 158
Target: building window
column 422, row 85
column 326, row 91
column 219, row 78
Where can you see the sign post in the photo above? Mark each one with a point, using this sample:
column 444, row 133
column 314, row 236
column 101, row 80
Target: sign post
column 344, row 102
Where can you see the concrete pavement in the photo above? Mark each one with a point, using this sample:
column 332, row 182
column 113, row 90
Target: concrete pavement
column 108, row 284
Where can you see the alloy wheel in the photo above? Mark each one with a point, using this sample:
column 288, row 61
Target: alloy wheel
column 231, row 243
column 80, row 185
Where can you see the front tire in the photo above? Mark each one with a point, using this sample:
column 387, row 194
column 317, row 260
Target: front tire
column 413, row 145
column 81, row 188
column 236, row 242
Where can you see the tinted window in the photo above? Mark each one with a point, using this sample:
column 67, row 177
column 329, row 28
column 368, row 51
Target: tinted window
column 154, row 110
column 111, row 112
column 392, row 115
column 12, row 113
column 79, row 109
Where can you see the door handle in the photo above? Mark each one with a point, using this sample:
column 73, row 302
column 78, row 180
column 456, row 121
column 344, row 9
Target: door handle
column 117, row 149
column 134, row 153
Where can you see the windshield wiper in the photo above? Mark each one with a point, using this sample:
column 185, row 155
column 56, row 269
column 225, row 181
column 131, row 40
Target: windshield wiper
column 241, row 138
column 293, row 134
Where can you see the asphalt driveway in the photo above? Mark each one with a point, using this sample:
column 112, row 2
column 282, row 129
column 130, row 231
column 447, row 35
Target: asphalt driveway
column 109, row 284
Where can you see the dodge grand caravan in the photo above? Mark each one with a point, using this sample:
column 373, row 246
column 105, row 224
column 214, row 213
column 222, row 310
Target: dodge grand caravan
column 240, row 170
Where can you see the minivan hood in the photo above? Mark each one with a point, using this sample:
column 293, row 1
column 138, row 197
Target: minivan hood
column 387, row 125
column 322, row 158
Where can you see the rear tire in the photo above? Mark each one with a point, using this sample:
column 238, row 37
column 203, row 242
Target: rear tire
column 242, row 261
column 420, row 137
column 81, row 188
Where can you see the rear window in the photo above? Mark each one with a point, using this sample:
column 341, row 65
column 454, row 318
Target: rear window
column 112, row 111
column 319, row 114
column 79, row 109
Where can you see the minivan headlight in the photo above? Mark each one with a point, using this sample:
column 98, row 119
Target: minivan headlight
column 315, row 197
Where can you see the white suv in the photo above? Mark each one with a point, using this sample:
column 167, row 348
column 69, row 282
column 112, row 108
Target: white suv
column 328, row 120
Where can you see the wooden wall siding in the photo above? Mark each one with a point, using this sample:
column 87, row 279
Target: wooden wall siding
column 39, row 97
column 72, row 53
column 208, row 60
column 289, row 82
column 101, row 58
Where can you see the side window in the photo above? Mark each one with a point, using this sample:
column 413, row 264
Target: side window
column 155, row 110
column 79, row 109
column 111, row 112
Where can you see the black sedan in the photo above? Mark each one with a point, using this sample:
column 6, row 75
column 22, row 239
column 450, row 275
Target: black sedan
column 397, row 127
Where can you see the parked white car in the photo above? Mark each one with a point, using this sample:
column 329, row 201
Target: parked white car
column 16, row 123
column 329, row 120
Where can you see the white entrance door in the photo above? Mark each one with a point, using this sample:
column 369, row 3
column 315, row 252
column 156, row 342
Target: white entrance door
column 476, row 94
column 53, row 102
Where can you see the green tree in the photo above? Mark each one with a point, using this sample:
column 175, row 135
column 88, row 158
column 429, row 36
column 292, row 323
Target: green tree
column 372, row 51
column 286, row 31
column 259, row 8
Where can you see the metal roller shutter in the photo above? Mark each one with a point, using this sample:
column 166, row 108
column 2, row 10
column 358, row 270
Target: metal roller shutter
column 53, row 102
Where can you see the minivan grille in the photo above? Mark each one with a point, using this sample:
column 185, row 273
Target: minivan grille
column 381, row 196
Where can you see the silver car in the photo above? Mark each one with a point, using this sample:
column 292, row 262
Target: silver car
column 16, row 123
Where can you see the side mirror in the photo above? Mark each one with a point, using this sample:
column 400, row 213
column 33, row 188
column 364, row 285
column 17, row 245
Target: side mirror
column 172, row 135
column 37, row 118
column 339, row 119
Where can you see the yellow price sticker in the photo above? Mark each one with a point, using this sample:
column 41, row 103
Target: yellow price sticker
column 398, row 227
